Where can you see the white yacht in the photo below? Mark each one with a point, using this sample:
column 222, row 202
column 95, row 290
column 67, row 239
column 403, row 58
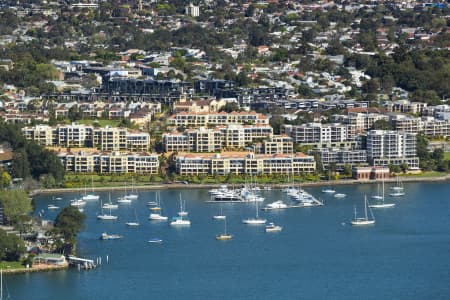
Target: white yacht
column 110, row 206
column 157, row 217
column 340, row 195
column 52, row 207
column 382, row 204
column 273, row 228
column 328, row 191
column 182, row 212
column 106, row 236
column 90, row 196
column 77, row 202
column 103, row 216
column 358, row 221
column 179, row 221
column 276, row 205
column 124, row 200
column 256, row 220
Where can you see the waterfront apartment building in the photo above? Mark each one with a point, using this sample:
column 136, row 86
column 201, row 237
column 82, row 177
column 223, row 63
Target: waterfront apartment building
column 391, row 147
column 407, row 123
column 341, row 157
column 80, row 136
column 278, row 144
column 193, row 120
column 360, row 121
column 243, row 163
column 204, row 139
column 110, row 162
column 317, row 133
column 437, row 128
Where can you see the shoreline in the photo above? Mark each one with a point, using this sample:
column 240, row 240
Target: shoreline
column 35, row 269
column 272, row 185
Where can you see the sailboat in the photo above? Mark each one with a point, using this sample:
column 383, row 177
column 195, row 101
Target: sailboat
column 255, row 221
column 155, row 205
column 135, row 223
column 182, row 212
column 224, row 236
column 132, row 195
column 109, row 205
column 379, row 196
column 382, row 204
column 221, row 216
column 90, row 196
column 328, row 190
column 364, row 221
column 103, row 216
column 157, row 216
column 397, row 189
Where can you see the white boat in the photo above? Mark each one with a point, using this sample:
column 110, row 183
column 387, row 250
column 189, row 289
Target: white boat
column 52, row 207
column 224, row 236
column 132, row 195
column 103, row 216
column 182, row 212
column 179, row 221
column 382, row 204
column 91, row 196
column 328, row 191
column 152, row 203
column 221, row 216
column 256, row 220
column 124, row 200
column 110, row 205
column 273, row 228
column 133, row 223
column 358, row 221
column 276, row 205
column 157, row 217
column 397, row 194
column 106, row 236
column 155, row 241
column 58, row 198
column 398, row 187
column 77, row 202
column 340, row 195
column 267, row 188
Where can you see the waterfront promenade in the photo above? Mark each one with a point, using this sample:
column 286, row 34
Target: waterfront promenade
column 178, row 185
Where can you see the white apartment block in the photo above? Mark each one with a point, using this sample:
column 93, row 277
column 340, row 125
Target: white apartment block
column 407, row 123
column 279, row 144
column 341, row 157
column 113, row 162
column 204, row 139
column 392, row 147
column 243, row 163
column 361, row 121
column 80, row 136
column 192, row 120
column 317, row 133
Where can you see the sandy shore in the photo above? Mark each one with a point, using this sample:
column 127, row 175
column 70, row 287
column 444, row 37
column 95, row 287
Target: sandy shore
column 275, row 186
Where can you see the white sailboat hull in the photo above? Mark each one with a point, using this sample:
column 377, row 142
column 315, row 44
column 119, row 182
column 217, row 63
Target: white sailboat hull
column 254, row 221
column 382, row 205
column 106, row 217
column 362, row 222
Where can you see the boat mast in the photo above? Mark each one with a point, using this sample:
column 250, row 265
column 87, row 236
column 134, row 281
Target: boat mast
column 383, row 190
column 1, row 284
column 365, row 206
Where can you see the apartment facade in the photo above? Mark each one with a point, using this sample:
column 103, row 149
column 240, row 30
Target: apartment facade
column 278, row 144
column 204, row 139
column 317, row 133
column 80, row 136
column 391, row 147
column 243, row 163
column 342, row 157
column 110, row 162
column 193, row 120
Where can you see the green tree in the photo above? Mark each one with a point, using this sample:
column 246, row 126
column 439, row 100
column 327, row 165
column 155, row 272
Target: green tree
column 5, row 180
column 11, row 246
column 381, row 125
column 68, row 223
column 15, row 204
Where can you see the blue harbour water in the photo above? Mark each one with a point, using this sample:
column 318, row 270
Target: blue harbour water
column 318, row 255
